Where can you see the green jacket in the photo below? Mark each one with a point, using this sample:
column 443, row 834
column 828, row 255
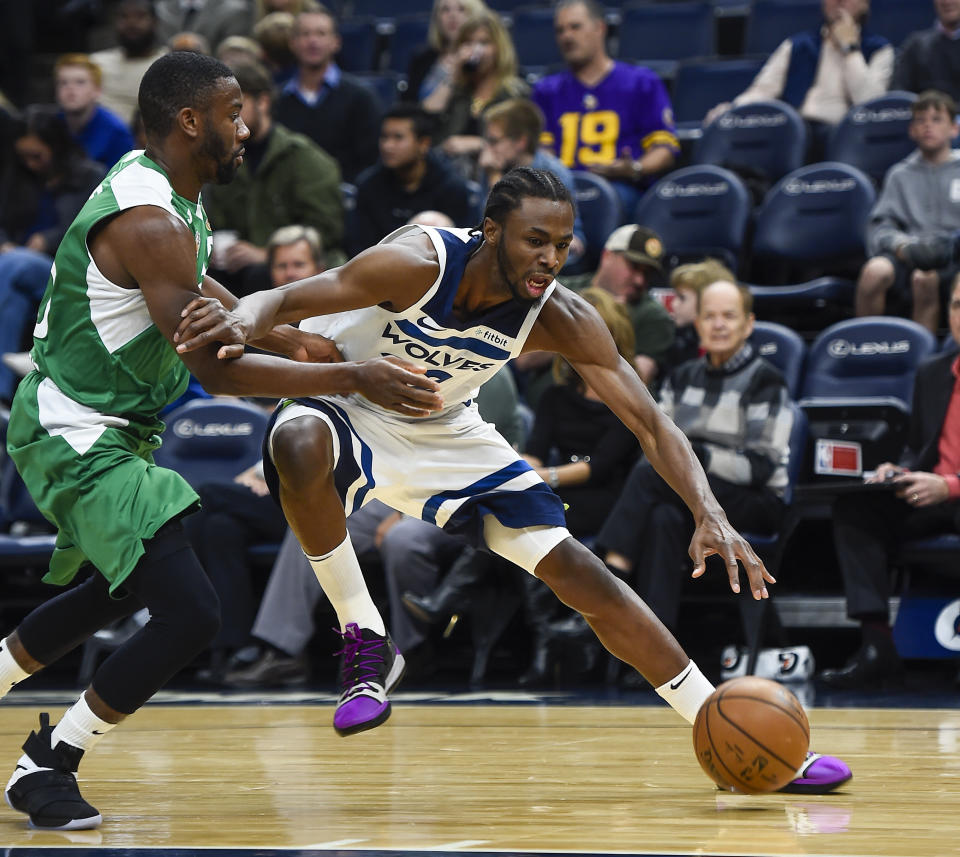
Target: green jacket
column 295, row 182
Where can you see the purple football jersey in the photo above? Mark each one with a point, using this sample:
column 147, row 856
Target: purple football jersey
column 593, row 125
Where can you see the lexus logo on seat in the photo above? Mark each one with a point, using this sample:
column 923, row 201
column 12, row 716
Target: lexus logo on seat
column 845, row 348
column 189, row 428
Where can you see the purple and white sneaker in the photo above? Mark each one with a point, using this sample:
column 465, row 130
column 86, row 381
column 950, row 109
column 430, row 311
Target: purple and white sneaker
column 819, row 775
column 371, row 667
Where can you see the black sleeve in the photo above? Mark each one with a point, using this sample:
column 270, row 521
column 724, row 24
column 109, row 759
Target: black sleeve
column 612, row 455
column 540, row 440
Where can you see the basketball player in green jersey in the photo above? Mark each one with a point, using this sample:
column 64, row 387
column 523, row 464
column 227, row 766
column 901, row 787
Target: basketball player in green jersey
column 84, row 423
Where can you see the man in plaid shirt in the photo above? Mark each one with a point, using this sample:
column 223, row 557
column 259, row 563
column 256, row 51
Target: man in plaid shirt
column 733, row 407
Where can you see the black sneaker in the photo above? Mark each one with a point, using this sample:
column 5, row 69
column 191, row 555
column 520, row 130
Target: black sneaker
column 370, row 669
column 44, row 784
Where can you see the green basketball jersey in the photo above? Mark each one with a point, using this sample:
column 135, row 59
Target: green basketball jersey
column 96, row 340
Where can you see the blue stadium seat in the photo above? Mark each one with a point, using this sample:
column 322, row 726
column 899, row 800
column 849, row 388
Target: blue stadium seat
column 532, row 34
column 358, row 45
column 409, row 35
column 772, row 21
column 873, row 136
column 384, row 84
column 815, row 214
column 897, row 19
column 813, row 295
column 782, row 347
column 212, row 440
column 858, row 383
column 17, row 507
column 767, row 136
column 667, row 31
column 699, row 85
column 389, row 8
column 698, row 211
column 600, row 212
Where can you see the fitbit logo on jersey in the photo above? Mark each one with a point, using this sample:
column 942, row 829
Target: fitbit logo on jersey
column 189, row 428
column 434, row 355
column 845, row 348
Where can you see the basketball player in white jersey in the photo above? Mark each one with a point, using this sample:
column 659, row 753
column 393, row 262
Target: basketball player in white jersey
column 460, row 303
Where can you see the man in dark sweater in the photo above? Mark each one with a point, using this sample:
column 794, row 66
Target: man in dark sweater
column 930, row 59
column 333, row 109
column 408, row 179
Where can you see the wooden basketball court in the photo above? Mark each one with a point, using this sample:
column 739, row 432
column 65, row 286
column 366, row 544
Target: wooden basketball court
column 509, row 777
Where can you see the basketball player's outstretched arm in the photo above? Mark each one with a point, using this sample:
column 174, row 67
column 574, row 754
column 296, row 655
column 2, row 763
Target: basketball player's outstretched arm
column 147, row 248
column 571, row 327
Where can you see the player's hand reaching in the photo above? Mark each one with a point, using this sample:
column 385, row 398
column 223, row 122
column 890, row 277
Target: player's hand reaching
column 714, row 535
column 314, row 348
column 205, row 320
column 399, row 386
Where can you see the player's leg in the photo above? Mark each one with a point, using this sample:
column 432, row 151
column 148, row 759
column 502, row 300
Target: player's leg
column 184, row 617
column 876, row 278
column 305, row 451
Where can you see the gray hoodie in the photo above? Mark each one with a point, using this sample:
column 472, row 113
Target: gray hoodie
column 918, row 199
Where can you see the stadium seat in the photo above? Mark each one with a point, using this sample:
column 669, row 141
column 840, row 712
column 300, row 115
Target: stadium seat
column 897, row 19
column 358, row 45
column 699, row 85
column 212, row 440
column 811, row 297
column 772, row 21
column 667, row 31
column 815, row 215
column 782, row 347
column 698, row 211
column 383, row 83
column 767, row 137
column 873, row 136
column 532, row 34
column 600, row 212
column 858, row 383
column 409, row 35
column 24, row 532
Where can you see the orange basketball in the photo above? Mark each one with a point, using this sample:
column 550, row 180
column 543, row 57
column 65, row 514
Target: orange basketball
column 751, row 735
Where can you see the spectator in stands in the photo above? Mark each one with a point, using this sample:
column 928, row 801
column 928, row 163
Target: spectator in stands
column 104, row 136
column 825, row 71
column 511, row 138
column 41, row 190
column 239, row 50
column 285, row 178
column 911, row 228
column 214, row 20
column 924, row 501
column 333, row 109
column 485, row 74
column 189, row 41
column 264, row 8
column 687, row 282
column 432, row 218
column 930, row 59
column 733, row 407
column 122, row 67
column 235, row 515
column 436, row 61
column 609, row 117
column 409, row 178
column 273, row 34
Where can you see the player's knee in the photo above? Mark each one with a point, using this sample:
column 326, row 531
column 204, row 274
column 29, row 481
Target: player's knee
column 302, row 451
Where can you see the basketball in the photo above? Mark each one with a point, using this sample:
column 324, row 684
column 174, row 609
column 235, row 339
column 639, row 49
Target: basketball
column 751, row 735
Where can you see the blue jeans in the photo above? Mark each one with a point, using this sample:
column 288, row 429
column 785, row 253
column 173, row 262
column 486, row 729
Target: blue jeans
column 23, row 279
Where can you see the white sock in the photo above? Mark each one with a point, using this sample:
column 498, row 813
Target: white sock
column 342, row 580
column 687, row 691
column 80, row 727
column 10, row 671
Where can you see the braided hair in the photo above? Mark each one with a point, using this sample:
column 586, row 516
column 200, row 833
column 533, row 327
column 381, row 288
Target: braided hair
column 522, row 183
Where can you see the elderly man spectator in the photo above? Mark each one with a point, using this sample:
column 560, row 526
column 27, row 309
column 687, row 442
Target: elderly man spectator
column 409, row 178
column 609, row 117
column 930, row 59
column 104, row 136
column 733, row 407
column 333, row 109
column 285, row 178
column 924, row 500
column 912, row 226
column 825, row 71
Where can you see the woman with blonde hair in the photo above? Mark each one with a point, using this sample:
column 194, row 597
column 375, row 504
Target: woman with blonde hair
column 486, row 73
column 436, row 60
